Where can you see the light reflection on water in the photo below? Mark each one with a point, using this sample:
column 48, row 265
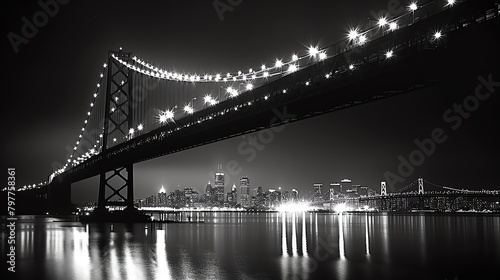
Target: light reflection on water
column 262, row 246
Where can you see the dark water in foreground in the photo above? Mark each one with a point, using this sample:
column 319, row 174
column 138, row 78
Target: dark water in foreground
column 262, row 246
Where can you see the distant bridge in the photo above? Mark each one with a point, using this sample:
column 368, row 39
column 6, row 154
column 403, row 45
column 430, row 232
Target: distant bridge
column 148, row 112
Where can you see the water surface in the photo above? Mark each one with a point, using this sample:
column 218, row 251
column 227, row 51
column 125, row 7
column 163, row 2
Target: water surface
column 262, row 246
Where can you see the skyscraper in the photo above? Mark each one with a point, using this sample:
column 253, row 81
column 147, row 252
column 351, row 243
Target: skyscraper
column 317, row 188
column 219, row 185
column 344, row 185
column 162, row 197
column 245, row 191
column 318, row 195
column 335, row 188
column 232, row 197
column 295, row 195
column 208, row 189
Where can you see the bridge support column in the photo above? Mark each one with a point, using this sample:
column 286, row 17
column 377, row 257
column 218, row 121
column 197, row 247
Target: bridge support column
column 111, row 185
column 59, row 198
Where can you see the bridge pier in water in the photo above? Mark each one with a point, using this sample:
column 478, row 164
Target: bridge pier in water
column 59, row 198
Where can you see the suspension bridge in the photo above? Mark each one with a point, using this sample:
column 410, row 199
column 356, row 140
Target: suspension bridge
column 141, row 110
column 418, row 195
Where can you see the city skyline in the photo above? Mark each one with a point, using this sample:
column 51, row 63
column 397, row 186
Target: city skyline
column 233, row 139
column 362, row 143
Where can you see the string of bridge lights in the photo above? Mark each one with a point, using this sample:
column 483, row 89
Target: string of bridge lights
column 315, row 53
column 94, row 150
column 265, row 72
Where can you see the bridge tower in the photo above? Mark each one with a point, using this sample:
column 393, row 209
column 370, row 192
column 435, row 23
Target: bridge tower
column 117, row 124
column 383, row 188
column 420, row 186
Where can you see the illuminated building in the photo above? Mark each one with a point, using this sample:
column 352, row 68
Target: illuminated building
column 244, row 191
column 318, row 195
column 344, row 185
column 219, row 185
column 335, row 188
column 162, row 197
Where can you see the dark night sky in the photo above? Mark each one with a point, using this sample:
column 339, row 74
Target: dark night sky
column 48, row 82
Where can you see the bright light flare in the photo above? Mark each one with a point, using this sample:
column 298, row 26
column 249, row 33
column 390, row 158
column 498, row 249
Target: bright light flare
column 292, row 68
column 140, row 127
column 362, row 39
column 313, row 51
column 232, row 92
column 353, row 34
column 294, row 207
column 389, row 54
column 339, row 208
column 207, row 99
column 382, row 22
column 295, row 57
column 451, row 3
column 249, row 86
column 131, row 131
column 188, row 109
column 437, row 35
column 322, row 56
column 413, row 6
column 393, row 26
column 166, row 115
column 279, row 63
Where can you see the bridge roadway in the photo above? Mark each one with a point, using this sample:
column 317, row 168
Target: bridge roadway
column 457, row 60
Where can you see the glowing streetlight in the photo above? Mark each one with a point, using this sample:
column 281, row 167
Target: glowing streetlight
column 451, row 3
column 322, row 56
column 279, row 63
column 188, row 109
column 292, row 68
column 140, row 127
column 295, row 57
column 382, row 22
column 413, row 7
column 362, row 39
column 437, row 35
column 207, row 99
column 165, row 116
column 353, row 34
column 232, row 92
column 249, row 86
column 393, row 26
column 313, row 51
column 389, row 54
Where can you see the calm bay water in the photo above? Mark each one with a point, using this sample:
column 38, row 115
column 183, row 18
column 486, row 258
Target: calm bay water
column 262, row 246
